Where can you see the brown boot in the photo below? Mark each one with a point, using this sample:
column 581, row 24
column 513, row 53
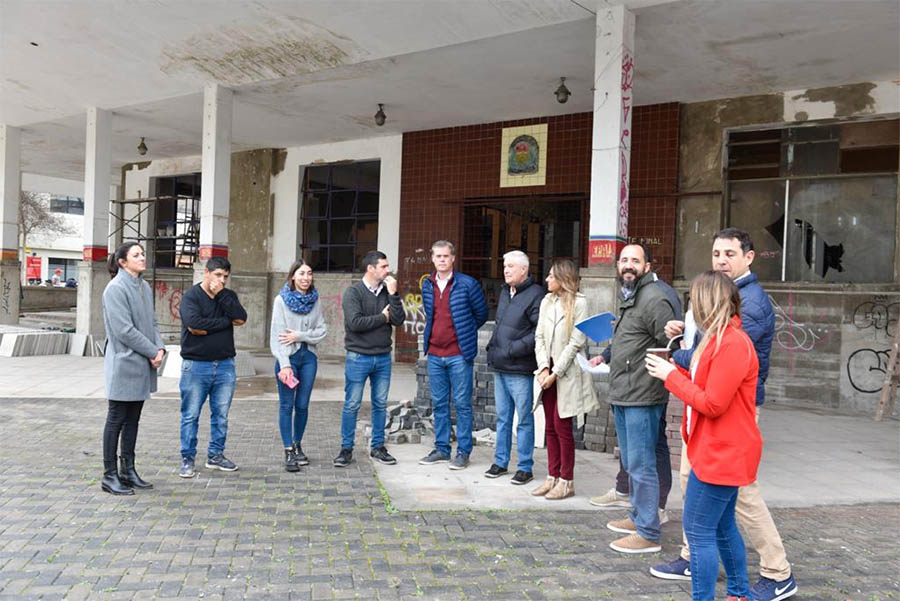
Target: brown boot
column 562, row 490
column 544, row 488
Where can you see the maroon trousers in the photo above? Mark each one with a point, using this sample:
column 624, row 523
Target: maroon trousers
column 559, row 439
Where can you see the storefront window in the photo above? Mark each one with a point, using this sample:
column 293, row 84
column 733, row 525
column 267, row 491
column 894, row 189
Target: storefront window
column 340, row 214
column 819, row 201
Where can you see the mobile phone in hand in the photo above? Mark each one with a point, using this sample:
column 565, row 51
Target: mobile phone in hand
column 292, row 380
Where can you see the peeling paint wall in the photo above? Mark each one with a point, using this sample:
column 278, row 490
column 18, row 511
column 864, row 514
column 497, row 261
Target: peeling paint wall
column 831, row 340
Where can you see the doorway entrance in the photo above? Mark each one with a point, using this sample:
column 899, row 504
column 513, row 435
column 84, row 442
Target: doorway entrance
column 544, row 229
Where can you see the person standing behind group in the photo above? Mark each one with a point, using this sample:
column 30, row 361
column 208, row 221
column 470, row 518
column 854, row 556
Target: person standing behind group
column 298, row 325
column 134, row 351
column 209, row 313
column 510, row 353
column 455, row 308
column 371, row 308
column 719, row 429
column 568, row 391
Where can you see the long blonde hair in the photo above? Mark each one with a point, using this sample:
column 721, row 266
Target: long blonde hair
column 715, row 299
column 567, row 277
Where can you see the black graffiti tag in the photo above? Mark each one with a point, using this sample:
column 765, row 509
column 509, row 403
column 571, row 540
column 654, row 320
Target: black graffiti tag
column 866, row 369
column 877, row 315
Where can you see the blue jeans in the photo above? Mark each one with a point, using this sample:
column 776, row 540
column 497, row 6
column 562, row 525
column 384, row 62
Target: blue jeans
column 293, row 403
column 377, row 368
column 451, row 374
column 637, row 429
column 663, row 467
column 199, row 380
column 712, row 532
column 514, row 392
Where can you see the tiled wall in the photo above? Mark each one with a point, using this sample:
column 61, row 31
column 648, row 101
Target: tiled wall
column 444, row 167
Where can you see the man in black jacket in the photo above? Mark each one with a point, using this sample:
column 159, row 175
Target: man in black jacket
column 209, row 312
column 511, row 355
column 371, row 308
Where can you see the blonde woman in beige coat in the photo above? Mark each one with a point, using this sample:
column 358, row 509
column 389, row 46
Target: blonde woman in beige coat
column 568, row 392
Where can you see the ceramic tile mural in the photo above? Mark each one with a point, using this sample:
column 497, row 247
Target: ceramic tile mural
column 523, row 160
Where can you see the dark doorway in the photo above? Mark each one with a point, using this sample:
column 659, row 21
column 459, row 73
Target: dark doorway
column 176, row 231
column 544, row 229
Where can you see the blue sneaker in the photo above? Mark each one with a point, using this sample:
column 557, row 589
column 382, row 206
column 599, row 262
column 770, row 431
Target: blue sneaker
column 678, row 569
column 773, row 590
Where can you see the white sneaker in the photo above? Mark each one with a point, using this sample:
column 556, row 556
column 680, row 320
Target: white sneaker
column 611, row 500
column 663, row 516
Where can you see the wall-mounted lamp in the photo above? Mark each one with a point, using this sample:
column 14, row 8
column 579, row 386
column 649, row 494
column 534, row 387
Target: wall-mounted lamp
column 380, row 117
column 562, row 92
column 142, row 148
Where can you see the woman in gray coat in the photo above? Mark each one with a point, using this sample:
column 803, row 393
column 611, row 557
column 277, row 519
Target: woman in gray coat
column 134, row 351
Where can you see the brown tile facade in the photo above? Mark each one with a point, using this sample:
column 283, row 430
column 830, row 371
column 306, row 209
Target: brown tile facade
column 444, row 168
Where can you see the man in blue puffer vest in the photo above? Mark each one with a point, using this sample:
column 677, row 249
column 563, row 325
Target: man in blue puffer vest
column 732, row 255
column 454, row 310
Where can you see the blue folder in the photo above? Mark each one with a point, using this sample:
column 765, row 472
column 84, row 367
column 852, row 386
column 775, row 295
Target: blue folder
column 599, row 327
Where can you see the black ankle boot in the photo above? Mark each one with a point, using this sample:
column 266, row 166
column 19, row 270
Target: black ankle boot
column 290, row 461
column 128, row 476
column 111, row 482
column 302, row 459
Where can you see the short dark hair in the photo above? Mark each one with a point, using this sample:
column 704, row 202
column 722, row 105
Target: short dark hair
column 218, row 263
column 121, row 254
column 648, row 256
column 371, row 258
column 731, row 233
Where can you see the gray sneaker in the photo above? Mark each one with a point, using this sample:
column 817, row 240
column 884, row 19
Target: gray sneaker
column 220, row 462
column 435, row 456
column 187, row 468
column 460, row 462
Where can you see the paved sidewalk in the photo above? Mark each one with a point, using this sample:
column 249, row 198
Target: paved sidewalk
column 325, row 533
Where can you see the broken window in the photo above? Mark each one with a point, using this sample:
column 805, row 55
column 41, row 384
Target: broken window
column 339, row 214
column 820, row 201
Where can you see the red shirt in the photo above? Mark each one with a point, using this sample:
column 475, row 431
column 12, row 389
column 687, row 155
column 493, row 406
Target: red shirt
column 724, row 445
column 442, row 342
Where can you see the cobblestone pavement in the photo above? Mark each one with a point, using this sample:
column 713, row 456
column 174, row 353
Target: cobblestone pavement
column 324, row 533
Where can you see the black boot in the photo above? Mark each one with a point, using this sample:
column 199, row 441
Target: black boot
column 111, row 482
column 302, row 459
column 128, row 476
column 290, row 461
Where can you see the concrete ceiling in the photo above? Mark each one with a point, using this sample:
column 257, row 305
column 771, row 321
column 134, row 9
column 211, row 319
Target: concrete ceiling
column 306, row 73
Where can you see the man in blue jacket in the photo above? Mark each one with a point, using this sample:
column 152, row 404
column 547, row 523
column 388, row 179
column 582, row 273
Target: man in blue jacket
column 454, row 310
column 733, row 254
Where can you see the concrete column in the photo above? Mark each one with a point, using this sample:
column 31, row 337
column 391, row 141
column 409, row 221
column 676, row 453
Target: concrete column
column 10, row 189
column 611, row 139
column 610, row 154
column 92, row 274
column 215, row 193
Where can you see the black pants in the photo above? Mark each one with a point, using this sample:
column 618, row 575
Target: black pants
column 121, row 418
column 663, row 467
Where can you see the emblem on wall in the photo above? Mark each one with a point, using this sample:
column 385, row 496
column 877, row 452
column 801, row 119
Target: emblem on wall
column 523, row 156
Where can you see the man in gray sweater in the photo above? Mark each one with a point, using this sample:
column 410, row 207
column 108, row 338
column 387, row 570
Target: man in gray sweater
column 371, row 308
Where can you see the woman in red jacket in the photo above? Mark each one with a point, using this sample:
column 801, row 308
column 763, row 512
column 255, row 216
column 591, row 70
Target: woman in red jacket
column 719, row 426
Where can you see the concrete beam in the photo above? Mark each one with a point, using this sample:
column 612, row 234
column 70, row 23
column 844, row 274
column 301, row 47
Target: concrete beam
column 611, row 139
column 215, row 194
column 10, row 188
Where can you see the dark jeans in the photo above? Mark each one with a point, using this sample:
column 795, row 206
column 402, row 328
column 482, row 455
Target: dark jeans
column 122, row 418
column 663, row 467
column 293, row 403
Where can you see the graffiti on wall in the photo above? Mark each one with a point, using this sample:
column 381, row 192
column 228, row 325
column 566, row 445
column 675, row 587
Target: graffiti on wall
column 5, row 296
column 792, row 335
column 866, row 369
column 625, row 143
column 878, row 315
column 172, row 297
column 414, row 322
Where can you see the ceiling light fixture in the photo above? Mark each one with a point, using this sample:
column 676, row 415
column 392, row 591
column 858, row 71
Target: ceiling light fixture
column 142, row 148
column 380, row 117
column 562, row 92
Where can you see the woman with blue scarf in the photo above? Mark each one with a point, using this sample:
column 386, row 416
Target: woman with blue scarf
column 297, row 326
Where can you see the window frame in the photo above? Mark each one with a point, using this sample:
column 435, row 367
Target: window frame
column 726, row 217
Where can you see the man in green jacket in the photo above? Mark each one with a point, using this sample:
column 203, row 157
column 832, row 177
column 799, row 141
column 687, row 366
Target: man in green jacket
column 638, row 400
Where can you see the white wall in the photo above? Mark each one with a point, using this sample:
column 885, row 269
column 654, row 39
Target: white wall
column 286, row 188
